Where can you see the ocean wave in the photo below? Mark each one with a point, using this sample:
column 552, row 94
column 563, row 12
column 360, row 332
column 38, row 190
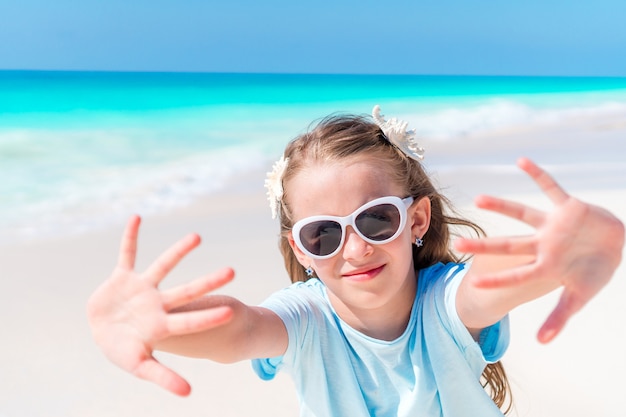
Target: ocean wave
column 80, row 200
column 499, row 116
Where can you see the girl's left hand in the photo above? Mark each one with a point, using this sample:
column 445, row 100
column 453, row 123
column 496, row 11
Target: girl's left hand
column 577, row 244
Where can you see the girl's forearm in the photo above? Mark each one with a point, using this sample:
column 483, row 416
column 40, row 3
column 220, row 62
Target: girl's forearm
column 251, row 332
column 481, row 307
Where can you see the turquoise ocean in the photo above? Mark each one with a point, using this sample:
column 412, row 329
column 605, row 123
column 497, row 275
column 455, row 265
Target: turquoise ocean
column 83, row 150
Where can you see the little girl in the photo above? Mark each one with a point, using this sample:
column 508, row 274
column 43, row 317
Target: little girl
column 382, row 318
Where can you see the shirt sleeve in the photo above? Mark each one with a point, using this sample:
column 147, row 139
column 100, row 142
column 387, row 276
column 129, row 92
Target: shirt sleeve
column 493, row 340
column 293, row 306
column 267, row 368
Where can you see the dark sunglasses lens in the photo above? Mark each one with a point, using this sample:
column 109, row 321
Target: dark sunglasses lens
column 380, row 222
column 321, row 238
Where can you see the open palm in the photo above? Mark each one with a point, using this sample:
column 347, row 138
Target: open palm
column 576, row 243
column 129, row 315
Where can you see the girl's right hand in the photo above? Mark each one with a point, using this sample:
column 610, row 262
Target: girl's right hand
column 576, row 245
column 129, row 315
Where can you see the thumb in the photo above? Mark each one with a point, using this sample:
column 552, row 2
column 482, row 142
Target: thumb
column 567, row 306
column 151, row 370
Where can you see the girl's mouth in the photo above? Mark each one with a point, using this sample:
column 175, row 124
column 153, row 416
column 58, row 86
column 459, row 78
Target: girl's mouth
column 363, row 274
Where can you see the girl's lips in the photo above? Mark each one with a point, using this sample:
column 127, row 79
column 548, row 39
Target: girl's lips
column 363, row 275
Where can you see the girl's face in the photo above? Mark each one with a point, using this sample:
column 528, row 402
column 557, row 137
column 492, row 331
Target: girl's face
column 361, row 277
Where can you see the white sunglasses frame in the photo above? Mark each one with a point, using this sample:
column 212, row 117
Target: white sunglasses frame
column 402, row 204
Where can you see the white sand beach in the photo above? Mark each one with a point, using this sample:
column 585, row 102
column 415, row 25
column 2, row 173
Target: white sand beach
column 50, row 366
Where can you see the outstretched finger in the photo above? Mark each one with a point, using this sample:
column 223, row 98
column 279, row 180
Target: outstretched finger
column 152, row 370
column 547, row 184
column 180, row 324
column 128, row 247
column 526, row 245
column 518, row 211
column 507, row 278
column 170, row 258
column 184, row 294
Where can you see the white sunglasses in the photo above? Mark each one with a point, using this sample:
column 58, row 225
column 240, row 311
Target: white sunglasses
column 377, row 222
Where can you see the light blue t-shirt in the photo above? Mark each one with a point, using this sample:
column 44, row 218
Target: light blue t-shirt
column 433, row 369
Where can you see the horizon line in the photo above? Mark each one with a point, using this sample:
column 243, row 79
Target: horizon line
column 199, row 72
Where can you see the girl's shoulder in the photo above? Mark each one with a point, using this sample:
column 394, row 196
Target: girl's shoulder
column 299, row 295
column 313, row 285
column 440, row 276
column 440, row 269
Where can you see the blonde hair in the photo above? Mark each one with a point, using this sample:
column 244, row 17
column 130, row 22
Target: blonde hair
column 337, row 138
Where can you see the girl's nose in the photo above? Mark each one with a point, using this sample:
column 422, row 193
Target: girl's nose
column 354, row 246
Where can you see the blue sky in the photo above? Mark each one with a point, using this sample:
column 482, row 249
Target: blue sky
column 529, row 37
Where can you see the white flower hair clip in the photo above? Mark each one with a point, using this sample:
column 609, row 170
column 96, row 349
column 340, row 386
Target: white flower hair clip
column 397, row 132
column 274, row 184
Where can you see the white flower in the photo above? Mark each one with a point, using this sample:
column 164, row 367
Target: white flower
column 274, row 184
column 398, row 133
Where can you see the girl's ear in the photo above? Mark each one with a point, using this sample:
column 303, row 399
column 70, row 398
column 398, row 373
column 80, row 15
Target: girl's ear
column 300, row 256
column 419, row 217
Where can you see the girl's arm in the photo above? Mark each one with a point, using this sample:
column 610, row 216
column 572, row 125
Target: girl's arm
column 577, row 246
column 252, row 332
column 130, row 317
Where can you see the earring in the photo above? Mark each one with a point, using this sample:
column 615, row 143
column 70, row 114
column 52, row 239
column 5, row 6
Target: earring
column 419, row 242
column 309, row 271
